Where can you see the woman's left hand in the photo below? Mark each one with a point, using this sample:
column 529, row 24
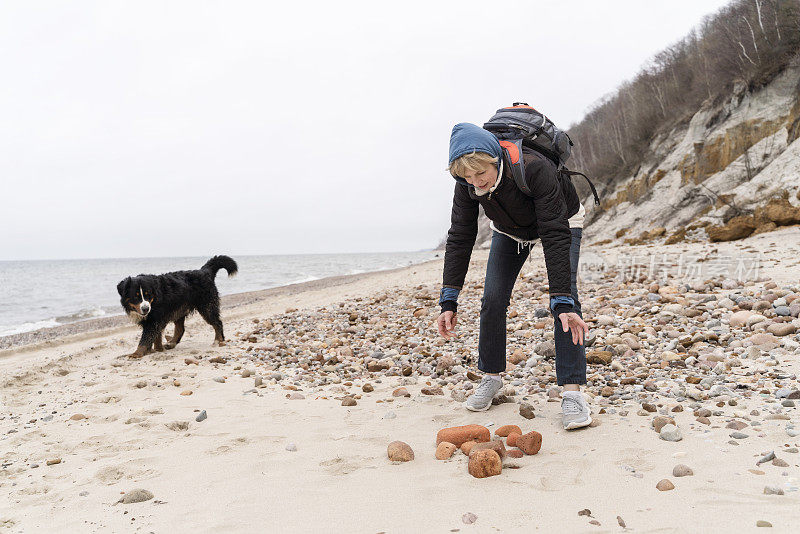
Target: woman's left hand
column 572, row 321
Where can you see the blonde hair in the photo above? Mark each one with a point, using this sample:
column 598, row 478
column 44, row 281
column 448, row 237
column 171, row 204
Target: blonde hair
column 474, row 161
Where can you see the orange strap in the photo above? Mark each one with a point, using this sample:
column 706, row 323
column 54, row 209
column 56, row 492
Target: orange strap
column 513, row 151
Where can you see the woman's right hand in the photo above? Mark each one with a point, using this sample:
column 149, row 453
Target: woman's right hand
column 447, row 324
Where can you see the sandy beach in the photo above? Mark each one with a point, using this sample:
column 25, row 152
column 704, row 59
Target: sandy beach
column 302, row 403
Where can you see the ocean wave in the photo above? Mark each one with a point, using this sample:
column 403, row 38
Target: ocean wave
column 28, row 327
column 302, row 280
column 81, row 315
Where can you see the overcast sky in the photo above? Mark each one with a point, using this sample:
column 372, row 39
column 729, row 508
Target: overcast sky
column 135, row 129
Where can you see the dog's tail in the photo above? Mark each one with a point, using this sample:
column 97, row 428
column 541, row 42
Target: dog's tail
column 220, row 262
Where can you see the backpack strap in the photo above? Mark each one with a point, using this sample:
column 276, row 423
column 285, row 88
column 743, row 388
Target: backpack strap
column 591, row 185
column 513, row 153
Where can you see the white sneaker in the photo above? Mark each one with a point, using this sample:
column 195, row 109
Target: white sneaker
column 481, row 400
column 575, row 410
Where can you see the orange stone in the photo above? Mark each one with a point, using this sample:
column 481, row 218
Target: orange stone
column 511, row 440
column 445, row 450
column 399, row 451
column 515, row 453
column 505, row 430
column 458, row 435
column 530, row 443
column 467, row 447
column 495, row 445
column 485, row 463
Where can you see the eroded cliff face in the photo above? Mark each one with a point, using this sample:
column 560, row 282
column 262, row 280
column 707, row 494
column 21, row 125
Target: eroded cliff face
column 729, row 161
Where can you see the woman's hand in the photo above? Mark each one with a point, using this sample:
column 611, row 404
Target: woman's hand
column 446, row 324
column 572, row 321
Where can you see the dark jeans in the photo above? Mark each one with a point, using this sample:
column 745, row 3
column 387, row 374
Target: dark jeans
column 505, row 263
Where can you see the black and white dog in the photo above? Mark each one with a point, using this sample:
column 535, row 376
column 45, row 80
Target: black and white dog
column 153, row 301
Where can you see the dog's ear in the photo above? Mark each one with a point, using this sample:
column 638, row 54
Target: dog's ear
column 123, row 286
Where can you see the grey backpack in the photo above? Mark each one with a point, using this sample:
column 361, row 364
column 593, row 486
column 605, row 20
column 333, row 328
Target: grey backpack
column 521, row 125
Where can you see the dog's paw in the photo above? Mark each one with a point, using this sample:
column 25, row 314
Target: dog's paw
column 169, row 345
column 138, row 353
column 218, row 343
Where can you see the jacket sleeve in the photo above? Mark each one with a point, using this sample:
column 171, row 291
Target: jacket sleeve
column 552, row 223
column 460, row 238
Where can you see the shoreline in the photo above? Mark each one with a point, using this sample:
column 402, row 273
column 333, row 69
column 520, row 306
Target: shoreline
column 81, row 330
column 100, row 326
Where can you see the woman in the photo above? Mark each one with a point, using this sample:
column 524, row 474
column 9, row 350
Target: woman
column 517, row 221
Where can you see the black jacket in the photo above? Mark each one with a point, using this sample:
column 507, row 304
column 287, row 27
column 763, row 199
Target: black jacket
column 543, row 215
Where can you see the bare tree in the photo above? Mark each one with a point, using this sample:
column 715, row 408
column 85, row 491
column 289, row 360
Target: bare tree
column 703, row 66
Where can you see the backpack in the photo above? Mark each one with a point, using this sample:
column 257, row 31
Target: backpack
column 522, row 126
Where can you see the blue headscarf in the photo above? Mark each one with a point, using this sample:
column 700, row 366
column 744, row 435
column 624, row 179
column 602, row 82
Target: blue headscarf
column 467, row 138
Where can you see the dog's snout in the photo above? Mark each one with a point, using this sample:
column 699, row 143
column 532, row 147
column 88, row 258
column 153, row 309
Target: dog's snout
column 145, row 307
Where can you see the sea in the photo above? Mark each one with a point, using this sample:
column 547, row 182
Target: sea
column 46, row 293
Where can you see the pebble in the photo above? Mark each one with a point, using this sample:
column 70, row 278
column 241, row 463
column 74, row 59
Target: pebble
column 530, row 443
column 665, row 485
column 469, row 518
column 682, row 470
column 762, row 523
column 202, row 416
column 399, row 451
column 445, row 450
column 739, row 435
column 367, row 388
column 526, row 410
column 291, row 447
column 660, row 421
column 466, row 447
column 782, row 329
column 458, row 435
column 505, row 430
column 220, row 379
column 136, row 495
column 766, row 458
column 773, row 490
column 484, row 463
column 670, row 433
column 54, row 461
column 349, row 401
column 495, row 445
column 736, row 425
column 389, row 415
